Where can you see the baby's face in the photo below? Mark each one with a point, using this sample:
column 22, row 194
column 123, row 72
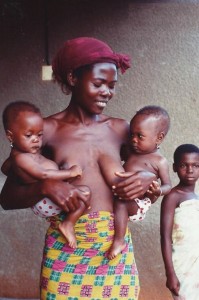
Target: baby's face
column 27, row 132
column 144, row 134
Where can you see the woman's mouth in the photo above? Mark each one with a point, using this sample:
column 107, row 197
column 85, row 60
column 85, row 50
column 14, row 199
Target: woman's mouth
column 101, row 103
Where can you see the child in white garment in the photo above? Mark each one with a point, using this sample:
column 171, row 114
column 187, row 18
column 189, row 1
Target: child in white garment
column 179, row 227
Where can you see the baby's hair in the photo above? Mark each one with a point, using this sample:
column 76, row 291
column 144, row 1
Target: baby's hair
column 12, row 110
column 182, row 149
column 158, row 112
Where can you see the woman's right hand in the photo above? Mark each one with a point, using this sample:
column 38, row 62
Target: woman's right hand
column 65, row 195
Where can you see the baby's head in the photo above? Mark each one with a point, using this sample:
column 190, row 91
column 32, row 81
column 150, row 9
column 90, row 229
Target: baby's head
column 186, row 163
column 23, row 125
column 148, row 128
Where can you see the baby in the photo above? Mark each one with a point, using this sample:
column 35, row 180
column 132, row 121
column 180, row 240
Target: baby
column 23, row 125
column 148, row 129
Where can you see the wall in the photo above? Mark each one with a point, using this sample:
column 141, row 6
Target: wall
column 162, row 38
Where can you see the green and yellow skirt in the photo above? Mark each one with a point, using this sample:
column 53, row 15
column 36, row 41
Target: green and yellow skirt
column 86, row 272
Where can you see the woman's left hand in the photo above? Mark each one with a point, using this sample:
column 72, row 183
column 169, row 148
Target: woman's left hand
column 133, row 185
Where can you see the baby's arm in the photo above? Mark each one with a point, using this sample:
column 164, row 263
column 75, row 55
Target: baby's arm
column 163, row 173
column 168, row 206
column 26, row 164
column 6, row 167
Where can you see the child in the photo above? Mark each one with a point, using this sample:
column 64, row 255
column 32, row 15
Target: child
column 179, row 227
column 148, row 129
column 23, row 124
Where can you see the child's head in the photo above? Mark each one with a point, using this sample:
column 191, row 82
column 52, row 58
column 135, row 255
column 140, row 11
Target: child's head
column 148, row 128
column 186, row 163
column 23, row 125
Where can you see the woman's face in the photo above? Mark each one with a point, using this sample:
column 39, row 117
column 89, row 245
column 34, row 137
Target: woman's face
column 95, row 87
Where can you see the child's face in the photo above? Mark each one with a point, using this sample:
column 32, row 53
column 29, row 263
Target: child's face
column 188, row 168
column 144, row 134
column 27, row 132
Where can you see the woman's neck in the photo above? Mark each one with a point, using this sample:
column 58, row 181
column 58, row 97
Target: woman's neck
column 80, row 115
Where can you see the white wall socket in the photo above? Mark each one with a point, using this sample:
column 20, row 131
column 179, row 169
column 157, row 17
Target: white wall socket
column 47, row 72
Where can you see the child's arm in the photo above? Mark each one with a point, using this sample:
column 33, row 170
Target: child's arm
column 6, row 166
column 168, row 206
column 26, row 164
column 163, row 173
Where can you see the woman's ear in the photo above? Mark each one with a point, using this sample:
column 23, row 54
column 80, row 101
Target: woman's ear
column 71, row 79
column 9, row 135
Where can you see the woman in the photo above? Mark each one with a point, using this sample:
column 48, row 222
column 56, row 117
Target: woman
column 82, row 135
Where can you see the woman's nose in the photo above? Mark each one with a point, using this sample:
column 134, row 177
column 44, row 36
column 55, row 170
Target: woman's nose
column 106, row 91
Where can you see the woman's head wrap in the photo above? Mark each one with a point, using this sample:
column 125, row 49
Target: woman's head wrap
column 83, row 51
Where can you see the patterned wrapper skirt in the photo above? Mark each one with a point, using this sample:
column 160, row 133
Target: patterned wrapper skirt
column 86, row 272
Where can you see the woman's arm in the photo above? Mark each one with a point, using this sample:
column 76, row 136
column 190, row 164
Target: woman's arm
column 15, row 195
column 133, row 185
column 166, row 225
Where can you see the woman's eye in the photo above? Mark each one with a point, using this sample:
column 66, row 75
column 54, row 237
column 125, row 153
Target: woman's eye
column 97, row 85
column 112, row 87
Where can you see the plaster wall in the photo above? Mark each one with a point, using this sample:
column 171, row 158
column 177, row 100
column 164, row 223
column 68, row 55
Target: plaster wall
column 162, row 38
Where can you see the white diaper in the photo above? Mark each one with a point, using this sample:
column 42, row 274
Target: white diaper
column 46, row 208
column 143, row 207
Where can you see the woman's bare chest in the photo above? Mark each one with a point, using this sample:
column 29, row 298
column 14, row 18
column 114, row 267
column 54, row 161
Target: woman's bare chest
column 84, row 146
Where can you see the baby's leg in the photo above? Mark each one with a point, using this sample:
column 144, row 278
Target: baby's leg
column 67, row 226
column 121, row 221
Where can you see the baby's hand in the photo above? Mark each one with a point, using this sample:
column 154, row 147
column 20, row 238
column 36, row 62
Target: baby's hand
column 75, row 171
column 154, row 191
column 154, row 188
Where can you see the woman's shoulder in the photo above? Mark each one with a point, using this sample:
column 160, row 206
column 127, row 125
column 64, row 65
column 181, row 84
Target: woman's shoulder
column 117, row 123
column 51, row 124
column 55, row 117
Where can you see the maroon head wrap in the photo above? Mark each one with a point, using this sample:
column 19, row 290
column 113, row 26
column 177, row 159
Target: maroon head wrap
column 83, row 51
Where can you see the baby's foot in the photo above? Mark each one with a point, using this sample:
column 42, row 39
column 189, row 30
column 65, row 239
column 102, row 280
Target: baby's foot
column 67, row 229
column 116, row 248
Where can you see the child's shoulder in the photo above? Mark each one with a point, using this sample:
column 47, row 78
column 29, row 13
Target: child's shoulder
column 158, row 159
column 173, row 198
column 25, row 155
